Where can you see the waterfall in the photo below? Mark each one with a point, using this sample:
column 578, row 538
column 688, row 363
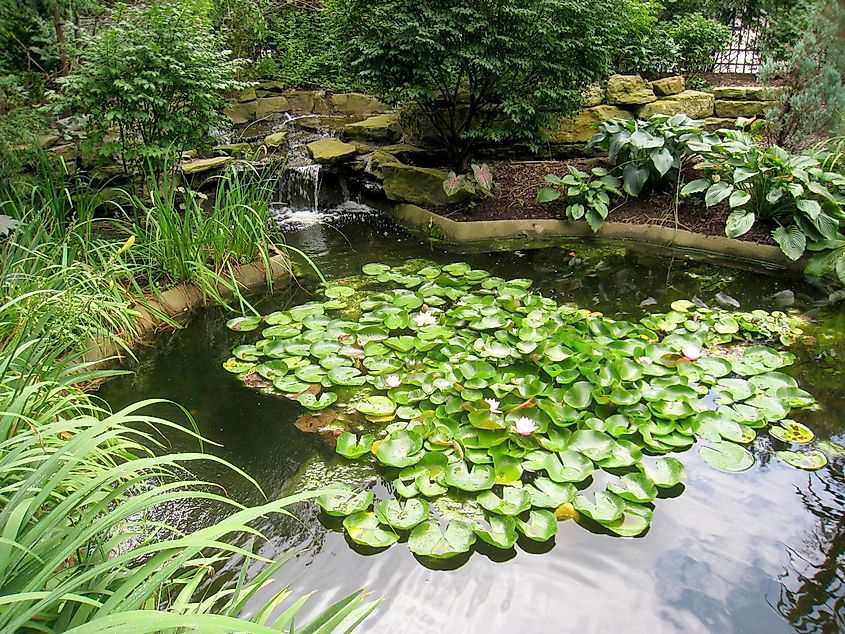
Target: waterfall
column 300, row 186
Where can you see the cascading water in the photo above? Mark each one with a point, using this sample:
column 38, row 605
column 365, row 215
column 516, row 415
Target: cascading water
column 300, row 186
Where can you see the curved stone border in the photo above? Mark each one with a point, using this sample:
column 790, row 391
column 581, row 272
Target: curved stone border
column 177, row 306
column 505, row 235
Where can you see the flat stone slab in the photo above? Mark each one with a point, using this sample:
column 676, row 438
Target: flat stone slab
column 330, row 150
column 198, row 166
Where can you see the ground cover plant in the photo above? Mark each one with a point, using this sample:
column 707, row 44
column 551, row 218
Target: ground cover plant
column 491, row 409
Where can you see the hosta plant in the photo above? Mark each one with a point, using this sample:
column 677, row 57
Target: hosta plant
column 760, row 183
column 589, row 195
column 651, row 152
column 490, row 408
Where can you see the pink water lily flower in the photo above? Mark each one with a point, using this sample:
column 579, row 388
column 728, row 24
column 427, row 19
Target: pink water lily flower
column 691, row 353
column 494, row 405
column 524, row 426
column 393, row 381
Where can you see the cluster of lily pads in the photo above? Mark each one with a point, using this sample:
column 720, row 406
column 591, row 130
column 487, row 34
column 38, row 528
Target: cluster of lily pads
column 491, row 408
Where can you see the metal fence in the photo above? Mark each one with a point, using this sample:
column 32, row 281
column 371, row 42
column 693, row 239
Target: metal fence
column 743, row 52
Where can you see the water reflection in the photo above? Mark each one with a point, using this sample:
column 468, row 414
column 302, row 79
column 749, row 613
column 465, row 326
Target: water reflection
column 759, row 551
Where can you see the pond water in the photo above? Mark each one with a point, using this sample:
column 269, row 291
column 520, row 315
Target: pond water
column 757, row 551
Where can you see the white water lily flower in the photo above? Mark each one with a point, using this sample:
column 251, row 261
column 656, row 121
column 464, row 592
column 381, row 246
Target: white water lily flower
column 494, row 405
column 393, row 381
column 691, row 353
column 645, row 360
column 425, row 319
column 524, row 426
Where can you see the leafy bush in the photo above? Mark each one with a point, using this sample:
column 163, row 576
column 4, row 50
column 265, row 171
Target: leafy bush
column 811, row 100
column 769, row 183
column 590, row 193
column 20, row 124
column 697, row 39
column 480, row 71
column 151, row 83
column 651, row 152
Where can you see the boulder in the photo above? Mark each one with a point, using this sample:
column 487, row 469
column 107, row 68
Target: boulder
column 669, row 86
column 418, row 185
column 692, row 103
column 734, row 109
column 593, row 96
column 578, row 128
column 383, row 128
column 199, row 166
column 305, row 102
column 240, row 113
column 711, row 124
column 47, row 140
column 233, row 149
column 266, row 106
column 69, row 152
column 247, row 94
column 270, row 87
column 276, row 140
column 629, row 90
column 356, row 103
column 330, row 150
column 376, row 161
column 747, row 93
column 404, row 153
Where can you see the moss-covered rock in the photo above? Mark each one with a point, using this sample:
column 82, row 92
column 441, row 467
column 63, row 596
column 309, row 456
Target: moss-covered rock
column 233, row 149
column 383, row 128
column 328, row 151
column 418, row 185
column 307, row 102
column 270, row 87
column 376, row 161
column 199, row 166
column 266, row 106
column 747, row 93
column 247, row 94
column 692, row 103
column 404, row 152
column 711, row 124
column 669, row 86
column 356, row 103
column 593, row 96
column 735, row 109
column 276, row 140
column 240, row 113
column 629, row 90
column 578, row 128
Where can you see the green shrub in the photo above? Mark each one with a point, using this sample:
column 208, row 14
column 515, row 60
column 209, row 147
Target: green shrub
column 20, row 124
column 151, row 83
column 811, row 102
column 770, row 184
column 697, row 39
column 480, row 71
column 651, row 152
column 590, row 194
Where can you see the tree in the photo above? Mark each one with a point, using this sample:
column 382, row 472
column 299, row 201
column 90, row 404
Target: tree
column 479, row 70
column 154, row 80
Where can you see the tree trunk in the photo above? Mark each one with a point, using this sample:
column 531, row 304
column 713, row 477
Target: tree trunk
column 58, row 23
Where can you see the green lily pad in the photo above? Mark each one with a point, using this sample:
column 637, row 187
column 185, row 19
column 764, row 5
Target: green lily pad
column 634, row 487
column 513, row 501
column 809, row 461
column 363, row 528
column 400, row 449
column 479, row 478
column 402, row 515
column 345, row 501
column 665, row 472
column 540, row 526
column 428, row 540
column 635, row 519
column 375, row 269
column 312, row 402
column 346, row 375
column 339, row 292
column 243, row 324
column 376, row 406
column 546, row 493
column 727, row 456
column 500, row 532
column 606, row 508
column 351, row 446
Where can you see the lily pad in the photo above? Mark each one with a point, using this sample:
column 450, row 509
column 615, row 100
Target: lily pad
column 665, row 472
column 376, row 406
column 546, row 493
column 243, row 324
column 351, row 446
column 312, row 402
column 345, row 501
column 540, row 526
column 400, row 449
column 500, row 532
column 428, row 540
column 792, row 432
column 809, row 461
column 402, row 515
column 727, row 456
column 512, row 501
column 363, row 528
column 479, row 478
column 607, row 506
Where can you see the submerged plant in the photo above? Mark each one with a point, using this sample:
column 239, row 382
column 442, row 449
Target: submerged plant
column 507, row 402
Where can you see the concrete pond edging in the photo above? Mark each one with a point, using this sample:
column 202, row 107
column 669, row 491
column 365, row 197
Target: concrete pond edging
column 501, row 235
column 178, row 304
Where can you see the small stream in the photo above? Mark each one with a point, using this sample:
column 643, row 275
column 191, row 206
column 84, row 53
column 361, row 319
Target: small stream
column 758, row 551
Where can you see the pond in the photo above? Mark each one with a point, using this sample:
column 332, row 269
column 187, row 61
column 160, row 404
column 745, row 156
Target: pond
column 756, row 551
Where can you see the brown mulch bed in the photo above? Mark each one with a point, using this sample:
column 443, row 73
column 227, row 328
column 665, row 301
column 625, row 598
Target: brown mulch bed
column 519, row 182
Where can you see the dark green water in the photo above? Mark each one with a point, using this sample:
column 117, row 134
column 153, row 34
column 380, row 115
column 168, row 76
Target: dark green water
column 759, row 551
